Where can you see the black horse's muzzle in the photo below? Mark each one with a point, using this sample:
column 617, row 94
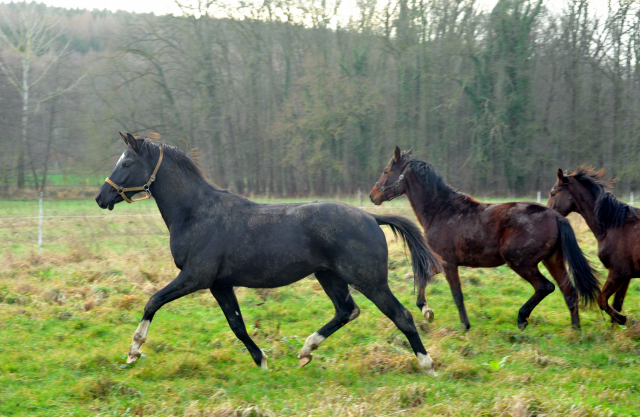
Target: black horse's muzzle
column 107, row 197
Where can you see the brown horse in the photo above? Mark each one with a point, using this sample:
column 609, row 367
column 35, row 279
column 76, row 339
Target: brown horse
column 616, row 226
column 466, row 232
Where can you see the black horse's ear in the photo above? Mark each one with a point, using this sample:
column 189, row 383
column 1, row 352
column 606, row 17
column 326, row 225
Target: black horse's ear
column 124, row 138
column 561, row 176
column 133, row 143
column 408, row 152
column 397, row 154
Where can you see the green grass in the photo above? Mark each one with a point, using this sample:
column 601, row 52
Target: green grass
column 67, row 318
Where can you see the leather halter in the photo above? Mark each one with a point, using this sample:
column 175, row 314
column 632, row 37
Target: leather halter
column 394, row 186
column 144, row 188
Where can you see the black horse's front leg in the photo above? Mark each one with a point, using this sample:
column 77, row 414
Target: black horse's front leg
column 229, row 304
column 182, row 285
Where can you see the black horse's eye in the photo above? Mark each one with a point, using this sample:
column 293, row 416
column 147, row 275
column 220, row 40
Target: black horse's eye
column 127, row 164
column 553, row 194
column 385, row 172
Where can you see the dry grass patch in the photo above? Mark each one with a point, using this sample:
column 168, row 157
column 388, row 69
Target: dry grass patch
column 381, row 358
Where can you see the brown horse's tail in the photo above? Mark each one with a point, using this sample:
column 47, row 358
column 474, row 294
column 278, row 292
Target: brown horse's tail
column 425, row 263
column 584, row 276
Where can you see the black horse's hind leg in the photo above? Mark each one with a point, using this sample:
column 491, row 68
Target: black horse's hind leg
column 384, row 299
column 346, row 311
column 229, row 304
column 451, row 273
column 182, row 285
column 542, row 287
column 555, row 266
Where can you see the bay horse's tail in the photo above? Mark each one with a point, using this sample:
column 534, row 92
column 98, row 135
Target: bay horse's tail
column 584, row 276
column 425, row 262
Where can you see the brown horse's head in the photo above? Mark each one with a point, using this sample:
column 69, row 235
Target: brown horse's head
column 390, row 184
column 560, row 198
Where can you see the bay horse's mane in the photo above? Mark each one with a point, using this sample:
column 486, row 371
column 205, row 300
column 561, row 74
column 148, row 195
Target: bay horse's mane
column 430, row 178
column 608, row 210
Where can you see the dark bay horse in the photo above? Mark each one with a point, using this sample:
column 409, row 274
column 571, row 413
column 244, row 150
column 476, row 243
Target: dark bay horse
column 220, row 240
column 466, row 232
column 616, row 226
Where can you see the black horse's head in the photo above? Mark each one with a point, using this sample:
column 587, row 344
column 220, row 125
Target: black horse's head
column 133, row 170
column 390, row 184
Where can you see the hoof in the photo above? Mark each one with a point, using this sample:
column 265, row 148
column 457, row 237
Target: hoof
column 523, row 325
column 305, row 360
column 428, row 314
column 263, row 364
column 132, row 357
column 623, row 320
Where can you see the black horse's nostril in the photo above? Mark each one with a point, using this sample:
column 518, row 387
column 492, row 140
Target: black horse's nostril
column 98, row 198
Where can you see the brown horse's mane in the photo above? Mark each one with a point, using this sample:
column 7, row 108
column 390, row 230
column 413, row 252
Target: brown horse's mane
column 608, row 210
column 430, row 178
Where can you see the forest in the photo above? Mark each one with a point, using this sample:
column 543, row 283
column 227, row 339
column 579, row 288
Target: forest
column 295, row 98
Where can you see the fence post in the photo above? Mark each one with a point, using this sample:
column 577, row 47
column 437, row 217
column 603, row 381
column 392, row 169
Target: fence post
column 40, row 227
column 360, row 197
column 538, row 197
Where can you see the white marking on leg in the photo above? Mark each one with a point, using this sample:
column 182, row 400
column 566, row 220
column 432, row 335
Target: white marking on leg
column 427, row 364
column 310, row 345
column 139, row 337
column 263, row 362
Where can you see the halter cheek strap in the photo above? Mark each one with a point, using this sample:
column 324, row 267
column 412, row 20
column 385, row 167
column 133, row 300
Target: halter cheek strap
column 395, row 185
column 144, row 188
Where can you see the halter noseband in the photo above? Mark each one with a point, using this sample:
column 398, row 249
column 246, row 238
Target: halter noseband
column 394, row 186
column 144, row 188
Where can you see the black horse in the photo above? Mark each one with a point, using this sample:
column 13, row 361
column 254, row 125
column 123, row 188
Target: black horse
column 220, row 240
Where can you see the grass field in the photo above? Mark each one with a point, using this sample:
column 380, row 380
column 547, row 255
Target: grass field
column 67, row 318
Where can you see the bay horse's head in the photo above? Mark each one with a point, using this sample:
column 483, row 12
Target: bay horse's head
column 391, row 184
column 134, row 172
column 560, row 198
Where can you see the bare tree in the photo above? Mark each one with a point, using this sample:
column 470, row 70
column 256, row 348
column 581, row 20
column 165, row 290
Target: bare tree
column 31, row 34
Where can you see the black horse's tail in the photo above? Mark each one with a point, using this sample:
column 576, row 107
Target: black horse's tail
column 425, row 263
column 584, row 276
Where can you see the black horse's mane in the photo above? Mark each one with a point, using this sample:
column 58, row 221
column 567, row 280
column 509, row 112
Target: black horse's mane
column 185, row 161
column 430, row 178
column 608, row 211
